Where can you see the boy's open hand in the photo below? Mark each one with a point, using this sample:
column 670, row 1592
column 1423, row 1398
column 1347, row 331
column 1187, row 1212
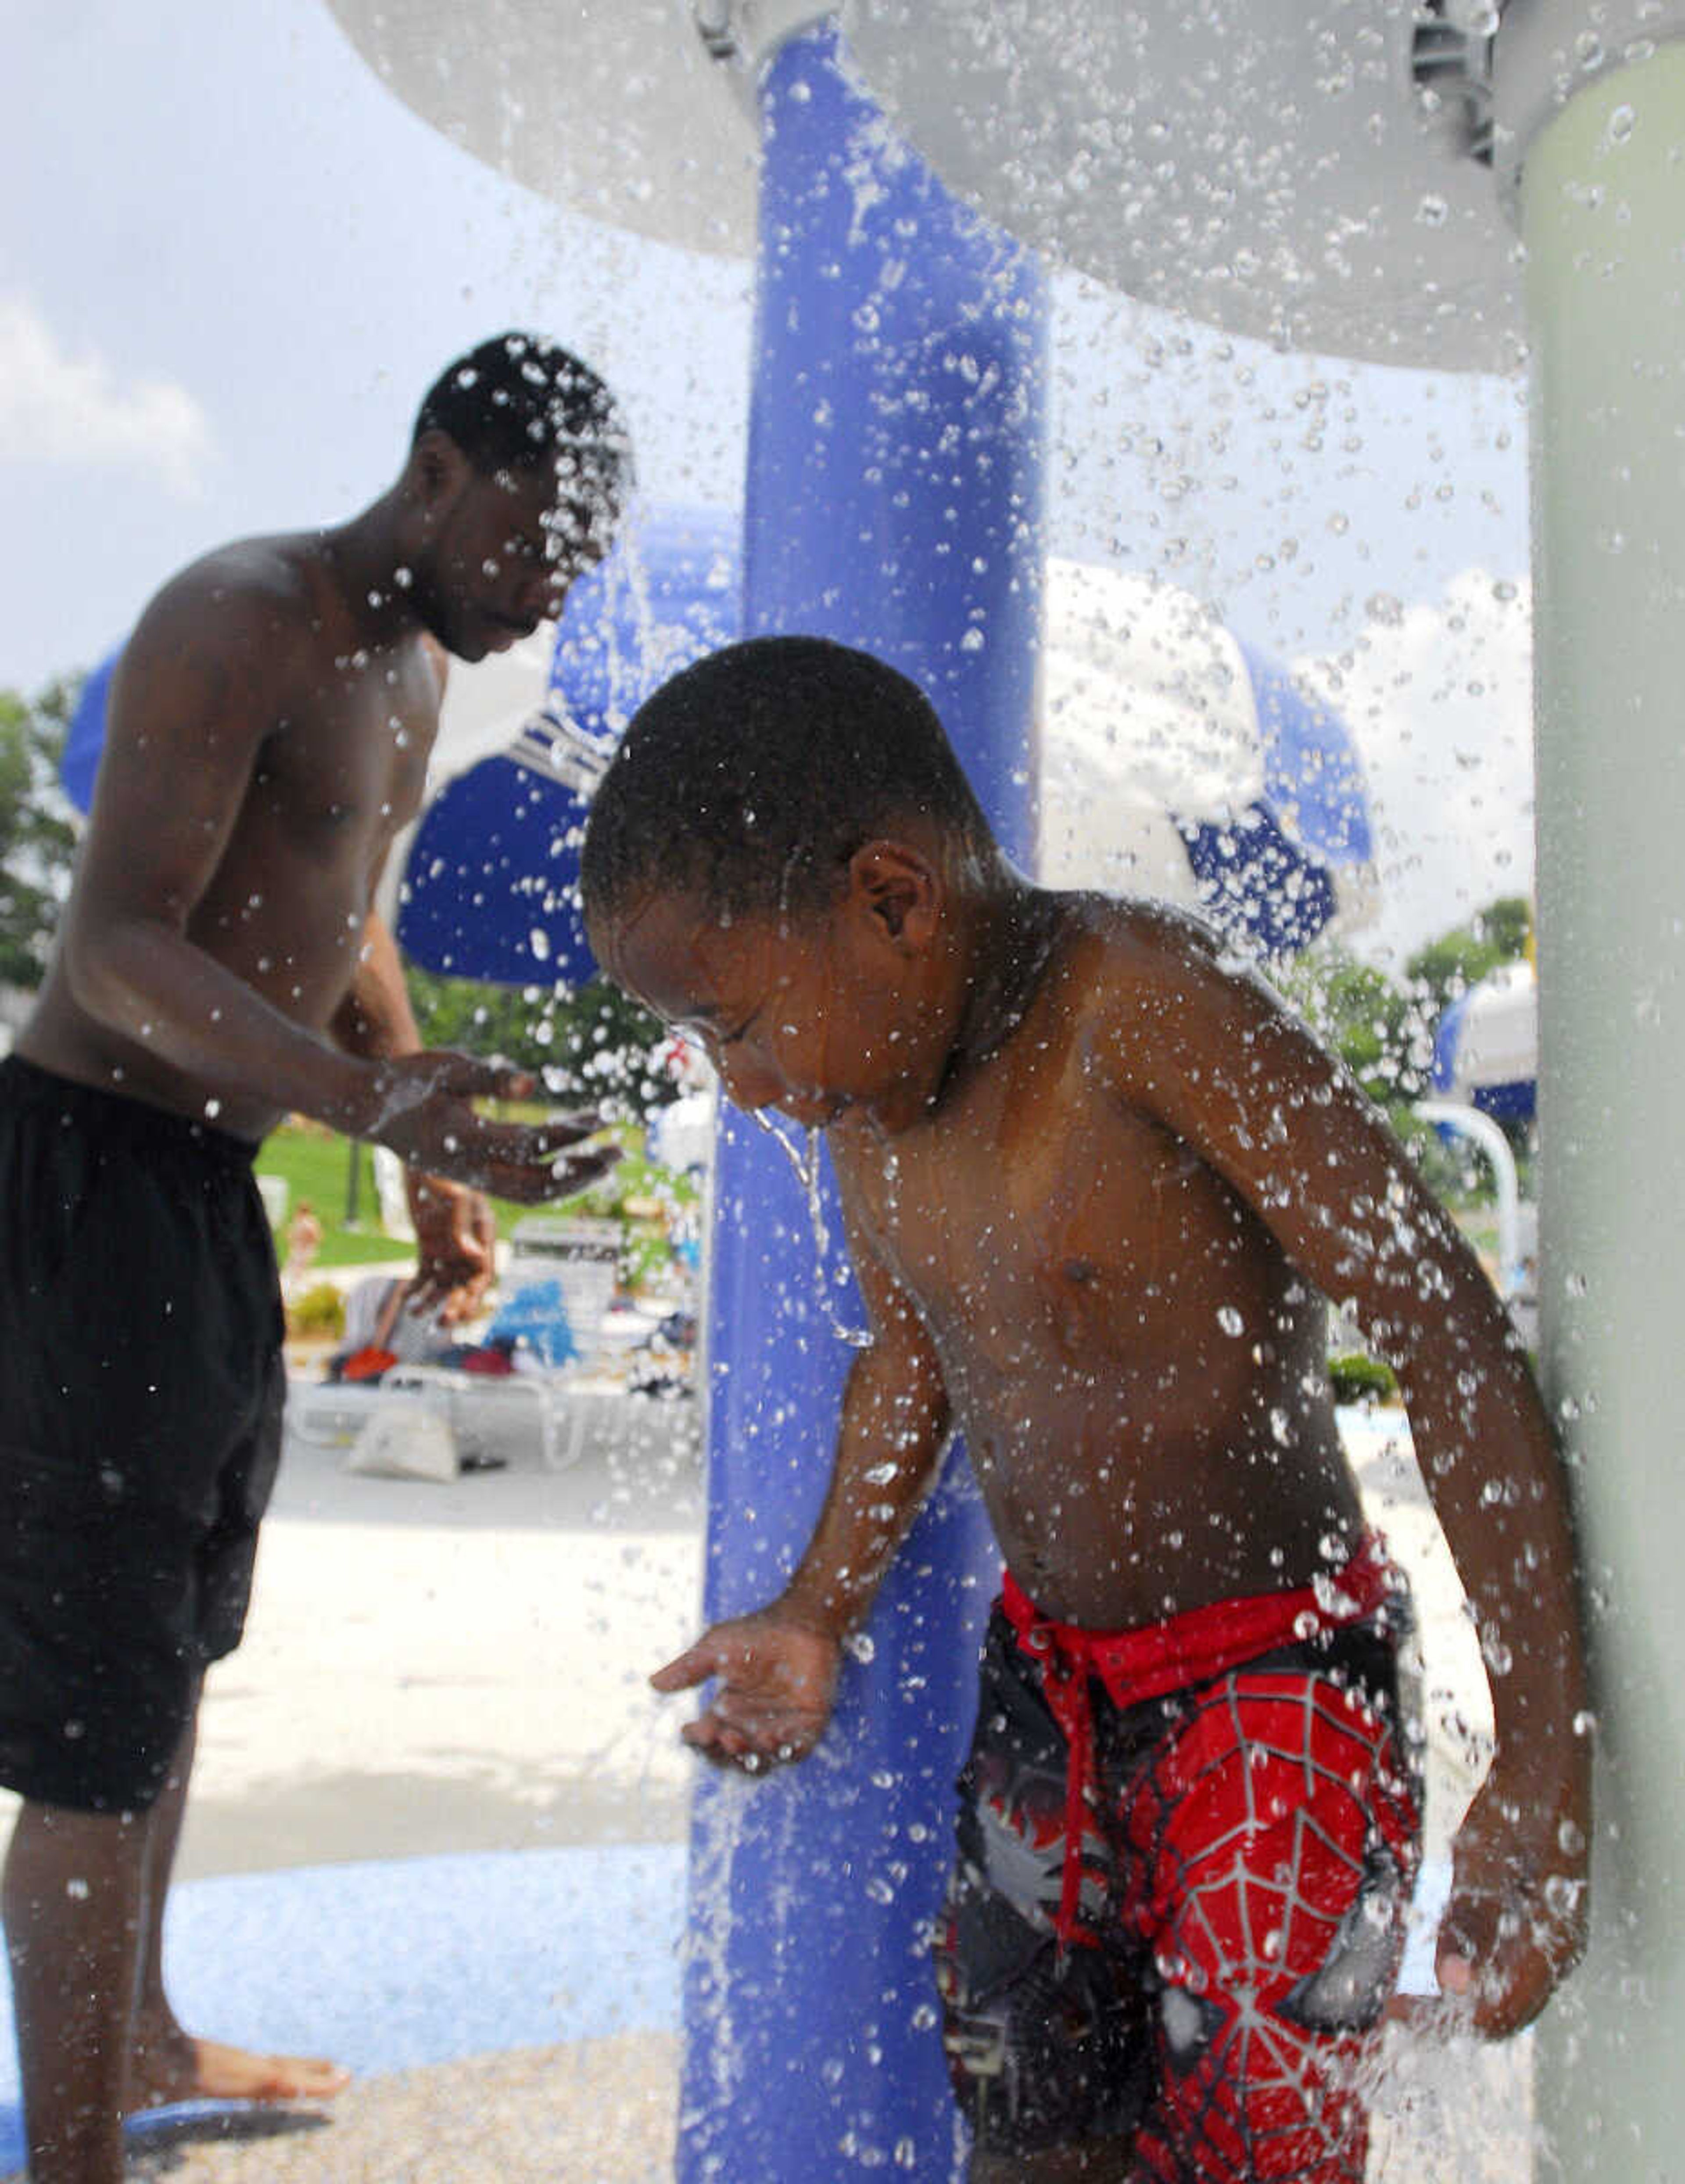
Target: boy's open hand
column 777, row 1681
column 1517, row 1922
column 421, row 1105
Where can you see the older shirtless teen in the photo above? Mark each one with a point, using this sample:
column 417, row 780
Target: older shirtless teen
column 1096, row 1184
column 221, row 965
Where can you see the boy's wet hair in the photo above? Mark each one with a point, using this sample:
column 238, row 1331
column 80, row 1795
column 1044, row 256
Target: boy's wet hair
column 753, row 776
column 521, row 402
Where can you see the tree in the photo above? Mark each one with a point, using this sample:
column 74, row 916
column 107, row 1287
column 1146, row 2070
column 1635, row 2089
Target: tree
column 1358, row 1011
column 1508, row 924
column 38, row 830
column 1448, row 966
column 1383, row 1032
column 1373, row 1027
column 591, row 1047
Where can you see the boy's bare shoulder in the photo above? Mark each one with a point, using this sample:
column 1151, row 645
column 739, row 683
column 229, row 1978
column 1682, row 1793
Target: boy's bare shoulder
column 1128, row 949
column 1157, row 988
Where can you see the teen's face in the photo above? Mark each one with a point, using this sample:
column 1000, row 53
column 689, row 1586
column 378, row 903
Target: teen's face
column 502, row 552
column 816, row 1017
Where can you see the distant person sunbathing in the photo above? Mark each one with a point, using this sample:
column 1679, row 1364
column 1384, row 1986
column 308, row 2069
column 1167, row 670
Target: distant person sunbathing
column 1098, row 1183
column 220, row 966
column 386, row 1323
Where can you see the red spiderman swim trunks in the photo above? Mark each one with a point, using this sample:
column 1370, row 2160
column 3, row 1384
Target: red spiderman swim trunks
column 1184, row 1858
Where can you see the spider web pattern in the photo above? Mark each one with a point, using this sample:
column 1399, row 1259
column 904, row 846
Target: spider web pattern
column 1268, row 1844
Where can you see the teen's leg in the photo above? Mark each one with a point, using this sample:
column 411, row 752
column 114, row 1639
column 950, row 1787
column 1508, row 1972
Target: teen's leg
column 1108, row 2163
column 72, row 1893
column 166, row 2063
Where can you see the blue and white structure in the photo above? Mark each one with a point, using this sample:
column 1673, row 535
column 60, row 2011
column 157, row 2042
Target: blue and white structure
column 490, row 879
column 485, row 886
column 1486, row 1047
column 85, row 738
column 1179, row 762
column 1173, row 759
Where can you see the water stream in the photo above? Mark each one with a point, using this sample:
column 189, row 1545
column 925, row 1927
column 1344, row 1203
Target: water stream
column 806, row 1165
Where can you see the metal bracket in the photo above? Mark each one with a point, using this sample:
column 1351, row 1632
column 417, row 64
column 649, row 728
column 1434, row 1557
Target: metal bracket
column 1451, row 67
column 745, row 34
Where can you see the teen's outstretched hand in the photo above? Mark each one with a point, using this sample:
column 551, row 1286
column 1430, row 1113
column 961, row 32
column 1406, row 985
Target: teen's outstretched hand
column 777, row 1681
column 421, row 1105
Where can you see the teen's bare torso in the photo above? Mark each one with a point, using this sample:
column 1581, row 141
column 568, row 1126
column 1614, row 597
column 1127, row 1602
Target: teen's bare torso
column 1137, row 1371
column 339, row 769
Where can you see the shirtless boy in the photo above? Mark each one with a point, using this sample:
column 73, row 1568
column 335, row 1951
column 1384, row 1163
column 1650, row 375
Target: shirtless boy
column 221, row 965
column 1096, row 1184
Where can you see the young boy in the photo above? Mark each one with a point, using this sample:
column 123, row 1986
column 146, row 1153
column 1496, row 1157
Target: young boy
column 1098, row 1183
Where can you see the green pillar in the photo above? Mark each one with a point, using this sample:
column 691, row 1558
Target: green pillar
column 1602, row 217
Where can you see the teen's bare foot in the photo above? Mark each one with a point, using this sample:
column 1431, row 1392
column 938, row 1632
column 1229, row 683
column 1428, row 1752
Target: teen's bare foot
column 177, row 2067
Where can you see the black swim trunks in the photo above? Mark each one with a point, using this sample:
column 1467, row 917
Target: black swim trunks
column 141, row 1387
column 1185, row 1856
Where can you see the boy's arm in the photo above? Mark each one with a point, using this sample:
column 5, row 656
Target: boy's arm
column 1217, row 1059
column 777, row 1667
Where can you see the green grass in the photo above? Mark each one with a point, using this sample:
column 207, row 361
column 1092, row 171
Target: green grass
column 316, row 1165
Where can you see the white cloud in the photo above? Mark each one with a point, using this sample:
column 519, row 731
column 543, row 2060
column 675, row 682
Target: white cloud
column 58, row 407
column 1439, row 701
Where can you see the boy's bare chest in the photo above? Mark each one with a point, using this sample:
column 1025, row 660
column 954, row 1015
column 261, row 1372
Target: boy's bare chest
column 1038, row 1215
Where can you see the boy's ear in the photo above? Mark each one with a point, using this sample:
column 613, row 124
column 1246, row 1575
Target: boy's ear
column 899, row 890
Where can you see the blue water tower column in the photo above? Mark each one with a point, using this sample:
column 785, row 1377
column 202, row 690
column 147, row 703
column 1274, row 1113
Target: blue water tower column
column 894, row 501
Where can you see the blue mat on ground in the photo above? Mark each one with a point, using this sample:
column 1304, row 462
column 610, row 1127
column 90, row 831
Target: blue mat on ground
column 391, row 1965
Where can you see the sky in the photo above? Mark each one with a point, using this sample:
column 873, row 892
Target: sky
column 230, row 261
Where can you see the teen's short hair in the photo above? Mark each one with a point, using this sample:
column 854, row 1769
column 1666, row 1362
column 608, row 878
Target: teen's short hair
column 754, row 775
column 521, row 402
